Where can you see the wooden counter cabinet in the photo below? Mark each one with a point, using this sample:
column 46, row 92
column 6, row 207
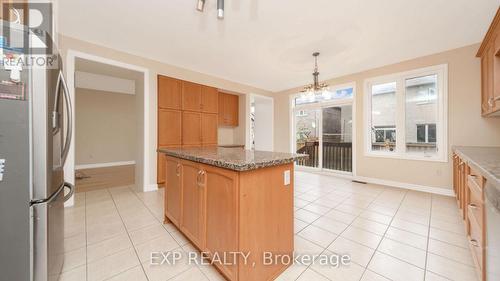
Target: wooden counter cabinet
column 227, row 211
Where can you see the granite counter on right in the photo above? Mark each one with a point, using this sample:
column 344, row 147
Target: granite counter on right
column 476, row 174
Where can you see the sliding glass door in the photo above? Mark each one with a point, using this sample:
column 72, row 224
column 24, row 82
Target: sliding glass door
column 336, row 139
column 323, row 129
column 307, row 133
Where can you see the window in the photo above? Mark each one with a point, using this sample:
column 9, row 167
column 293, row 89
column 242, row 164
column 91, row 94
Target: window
column 426, row 133
column 302, row 113
column 328, row 95
column 406, row 114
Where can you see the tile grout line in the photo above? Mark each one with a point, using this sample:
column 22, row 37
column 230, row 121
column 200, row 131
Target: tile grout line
column 168, row 232
column 130, row 239
column 348, row 225
column 428, row 239
column 383, row 236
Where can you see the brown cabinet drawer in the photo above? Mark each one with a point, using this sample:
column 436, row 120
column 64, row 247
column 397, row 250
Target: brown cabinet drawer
column 475, row 176
column 475, row 205
column 476, row 242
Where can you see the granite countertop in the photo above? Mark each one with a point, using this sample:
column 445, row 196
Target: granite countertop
column 487, row 161
column 236, row 159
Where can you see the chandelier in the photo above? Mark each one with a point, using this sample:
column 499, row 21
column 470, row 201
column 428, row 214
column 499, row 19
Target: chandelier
column 316, row 88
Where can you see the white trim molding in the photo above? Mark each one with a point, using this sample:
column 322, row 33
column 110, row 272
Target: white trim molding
column 103, row 165
column 69, row 167
column 409, row 186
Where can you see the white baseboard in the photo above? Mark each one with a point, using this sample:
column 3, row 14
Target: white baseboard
column 415, row 187
column 151, row 187
column 102, row 165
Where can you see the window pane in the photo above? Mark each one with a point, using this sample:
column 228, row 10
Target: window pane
column 432, row 133
column 420, row 133
column 421, row 114
column 337, row 138
column 384, row 117
column 307, row 136
column 325, row 95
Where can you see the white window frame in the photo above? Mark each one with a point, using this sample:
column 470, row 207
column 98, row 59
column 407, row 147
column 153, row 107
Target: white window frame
column 442, row 115
column 320, row 105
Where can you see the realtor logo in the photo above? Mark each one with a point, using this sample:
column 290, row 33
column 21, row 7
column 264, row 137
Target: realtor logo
column 27, row 28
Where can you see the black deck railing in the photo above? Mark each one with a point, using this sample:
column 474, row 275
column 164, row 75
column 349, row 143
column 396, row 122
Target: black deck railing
column 336, row 155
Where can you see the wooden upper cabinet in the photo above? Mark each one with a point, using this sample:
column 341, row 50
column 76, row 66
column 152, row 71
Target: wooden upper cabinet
column 489, row 52
column 173, row 190
column 169, row 127
column 193, row 204
column 209, row 128
column 209, row 99
column 191, row 128
column 191, row 96
column 228, row 110
column 169, row 92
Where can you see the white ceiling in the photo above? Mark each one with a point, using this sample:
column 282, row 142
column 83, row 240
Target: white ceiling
column 268, row 43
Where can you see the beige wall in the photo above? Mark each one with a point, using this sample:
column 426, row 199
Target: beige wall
column 155, row 68
column 465, row 124
column 105, row 127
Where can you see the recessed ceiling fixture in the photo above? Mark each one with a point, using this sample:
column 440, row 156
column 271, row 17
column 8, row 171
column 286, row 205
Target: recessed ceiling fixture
column 315, row 88
column 220, row 7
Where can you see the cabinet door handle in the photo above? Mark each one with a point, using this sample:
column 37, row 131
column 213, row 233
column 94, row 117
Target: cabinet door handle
column 178, row 170
column 474, row 242
column 201, row 173
column 473, row 206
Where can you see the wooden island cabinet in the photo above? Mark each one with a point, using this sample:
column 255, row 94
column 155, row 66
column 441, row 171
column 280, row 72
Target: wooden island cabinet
column 230, row 200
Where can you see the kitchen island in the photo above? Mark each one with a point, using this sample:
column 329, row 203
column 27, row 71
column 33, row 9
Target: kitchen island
column 234, row 205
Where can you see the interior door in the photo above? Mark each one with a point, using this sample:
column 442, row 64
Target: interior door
column 192, row 221
column 336, row 140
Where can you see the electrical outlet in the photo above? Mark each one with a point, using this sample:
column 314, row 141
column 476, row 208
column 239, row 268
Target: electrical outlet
column 2, row 168
column 286, row 177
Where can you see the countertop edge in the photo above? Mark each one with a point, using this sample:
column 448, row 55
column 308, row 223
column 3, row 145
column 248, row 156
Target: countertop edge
column 487, row 174
column 232, row 166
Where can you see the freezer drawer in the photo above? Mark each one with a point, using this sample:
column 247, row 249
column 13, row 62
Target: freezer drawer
column 48, row 236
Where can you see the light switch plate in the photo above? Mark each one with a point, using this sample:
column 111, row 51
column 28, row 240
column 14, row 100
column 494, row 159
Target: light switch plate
column 286, row 177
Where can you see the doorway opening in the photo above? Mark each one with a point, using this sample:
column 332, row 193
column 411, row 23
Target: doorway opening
column 261, row 123
column 107, row 105
column 111, row 76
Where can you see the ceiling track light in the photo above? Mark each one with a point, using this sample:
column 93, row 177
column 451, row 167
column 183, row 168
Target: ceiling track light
column 220, row 9
column 200, row 5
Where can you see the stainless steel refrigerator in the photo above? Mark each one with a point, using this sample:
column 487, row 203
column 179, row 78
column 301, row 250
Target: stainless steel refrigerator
column 35, row 132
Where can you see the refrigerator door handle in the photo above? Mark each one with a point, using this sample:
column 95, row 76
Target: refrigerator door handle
column 71, row 191
column 69, row 116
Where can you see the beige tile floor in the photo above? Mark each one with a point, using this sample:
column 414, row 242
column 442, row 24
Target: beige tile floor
column 390, row 234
